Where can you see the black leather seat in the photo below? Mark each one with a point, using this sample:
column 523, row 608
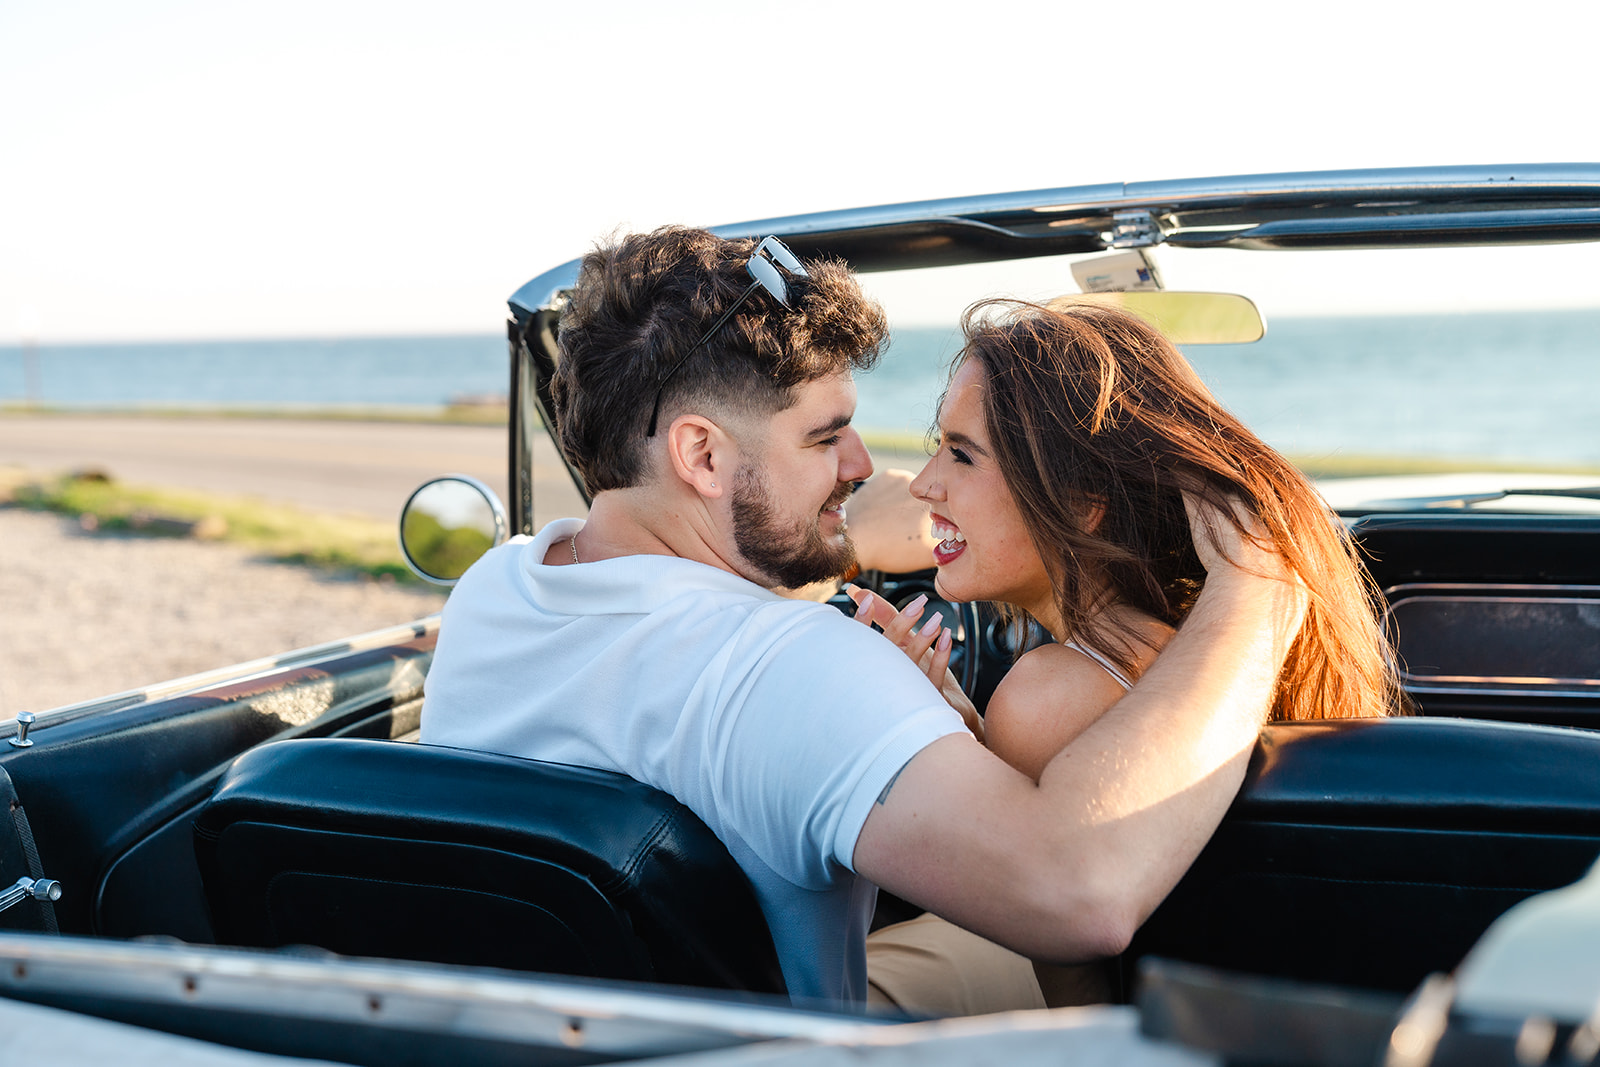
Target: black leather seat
column 377, row 848
column 1371, row 853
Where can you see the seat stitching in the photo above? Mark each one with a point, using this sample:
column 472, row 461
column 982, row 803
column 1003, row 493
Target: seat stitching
column 646, row 844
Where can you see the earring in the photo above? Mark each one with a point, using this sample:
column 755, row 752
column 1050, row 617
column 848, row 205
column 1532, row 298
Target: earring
column 713, row 485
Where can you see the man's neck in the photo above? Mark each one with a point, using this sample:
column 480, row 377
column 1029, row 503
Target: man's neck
column 646, row 522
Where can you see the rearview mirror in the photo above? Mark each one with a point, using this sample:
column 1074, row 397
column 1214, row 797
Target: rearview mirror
column 447, row 524
column 1185, row 318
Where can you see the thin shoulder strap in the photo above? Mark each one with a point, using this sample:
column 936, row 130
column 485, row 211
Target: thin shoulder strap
column 1110, row 668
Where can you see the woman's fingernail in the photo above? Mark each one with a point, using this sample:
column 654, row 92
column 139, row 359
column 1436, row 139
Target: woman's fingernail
column 865, row 602
column 932, row 624
column 915, row 607
column 944, row 641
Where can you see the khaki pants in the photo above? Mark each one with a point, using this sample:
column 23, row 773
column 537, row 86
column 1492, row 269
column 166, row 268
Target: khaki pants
column 927, row 966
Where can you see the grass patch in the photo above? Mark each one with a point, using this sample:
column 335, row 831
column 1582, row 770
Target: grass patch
column 892, row 441
column 908, row 446
column 1356, row 466
column 349, row 544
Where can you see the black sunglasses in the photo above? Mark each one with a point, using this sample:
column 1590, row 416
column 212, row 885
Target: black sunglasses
column 763, row 266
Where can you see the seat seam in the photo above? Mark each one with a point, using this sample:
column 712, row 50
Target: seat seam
column 646, row 844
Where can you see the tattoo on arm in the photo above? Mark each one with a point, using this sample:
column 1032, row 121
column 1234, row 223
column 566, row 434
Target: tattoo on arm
column 883, row 796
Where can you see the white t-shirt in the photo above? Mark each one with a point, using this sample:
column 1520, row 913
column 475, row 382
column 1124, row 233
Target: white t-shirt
column 778, row 722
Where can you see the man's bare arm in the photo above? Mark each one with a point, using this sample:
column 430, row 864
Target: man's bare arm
column 1068, row 869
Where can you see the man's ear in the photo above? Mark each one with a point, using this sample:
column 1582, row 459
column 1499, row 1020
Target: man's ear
column 702, row 454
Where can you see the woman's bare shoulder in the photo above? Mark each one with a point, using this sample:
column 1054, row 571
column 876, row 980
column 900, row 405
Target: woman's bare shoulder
column 1050, row 696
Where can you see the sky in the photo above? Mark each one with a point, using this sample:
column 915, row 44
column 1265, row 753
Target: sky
column 179, row 170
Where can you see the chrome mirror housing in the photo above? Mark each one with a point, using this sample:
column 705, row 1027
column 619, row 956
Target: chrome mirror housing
column 447, row 524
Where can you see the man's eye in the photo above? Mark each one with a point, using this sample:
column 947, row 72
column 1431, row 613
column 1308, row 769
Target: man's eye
column 830, row 441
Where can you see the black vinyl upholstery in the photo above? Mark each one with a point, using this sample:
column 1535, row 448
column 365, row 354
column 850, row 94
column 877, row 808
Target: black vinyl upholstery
column 1371, row 853
column 378, row 848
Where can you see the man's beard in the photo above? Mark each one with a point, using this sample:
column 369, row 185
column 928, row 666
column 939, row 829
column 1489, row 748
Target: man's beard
column 788, row 555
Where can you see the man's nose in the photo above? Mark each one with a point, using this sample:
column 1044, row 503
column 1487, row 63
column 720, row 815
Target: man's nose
column 855, row 462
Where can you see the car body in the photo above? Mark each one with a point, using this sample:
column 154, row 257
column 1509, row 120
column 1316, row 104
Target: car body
column 1359, row 855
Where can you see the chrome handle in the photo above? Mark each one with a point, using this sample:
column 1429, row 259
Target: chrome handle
column 25, row 888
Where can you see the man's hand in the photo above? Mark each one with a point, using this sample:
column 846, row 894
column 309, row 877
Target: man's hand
column 891, row 529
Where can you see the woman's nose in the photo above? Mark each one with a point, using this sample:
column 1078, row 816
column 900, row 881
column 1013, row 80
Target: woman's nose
column 926, row 485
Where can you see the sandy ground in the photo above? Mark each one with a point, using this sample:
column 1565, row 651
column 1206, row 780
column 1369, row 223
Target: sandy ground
column 84, row 616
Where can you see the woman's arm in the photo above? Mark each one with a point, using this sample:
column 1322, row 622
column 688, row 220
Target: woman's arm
column 1067, row 868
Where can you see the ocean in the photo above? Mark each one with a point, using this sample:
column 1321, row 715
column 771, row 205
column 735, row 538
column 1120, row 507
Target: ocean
column 1503, row 387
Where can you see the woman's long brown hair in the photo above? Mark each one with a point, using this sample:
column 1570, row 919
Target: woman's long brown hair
column 1093, row 414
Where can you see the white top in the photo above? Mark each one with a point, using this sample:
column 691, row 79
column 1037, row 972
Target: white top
column 778, row 722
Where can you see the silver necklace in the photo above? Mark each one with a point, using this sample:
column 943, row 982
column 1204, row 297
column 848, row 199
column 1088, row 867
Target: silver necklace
column 574, row 544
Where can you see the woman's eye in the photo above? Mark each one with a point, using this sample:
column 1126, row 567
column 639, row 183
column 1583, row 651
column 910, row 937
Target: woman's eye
column 960, row 457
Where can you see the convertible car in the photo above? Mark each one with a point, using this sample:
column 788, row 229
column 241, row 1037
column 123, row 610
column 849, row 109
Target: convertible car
column 260, row 861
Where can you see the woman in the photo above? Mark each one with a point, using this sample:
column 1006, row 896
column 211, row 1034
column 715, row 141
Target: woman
column 1067, row 439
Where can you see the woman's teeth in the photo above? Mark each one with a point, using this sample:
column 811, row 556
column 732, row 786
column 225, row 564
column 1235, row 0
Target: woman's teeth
column 952, row 542
column 948, row 534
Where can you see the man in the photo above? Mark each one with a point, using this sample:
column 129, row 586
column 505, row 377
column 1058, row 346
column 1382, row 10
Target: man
column 710, row 416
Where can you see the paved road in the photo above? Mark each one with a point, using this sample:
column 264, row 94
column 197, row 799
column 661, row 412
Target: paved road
column 367, row 468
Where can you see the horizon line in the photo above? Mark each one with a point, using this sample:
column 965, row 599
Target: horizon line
column 18, row 344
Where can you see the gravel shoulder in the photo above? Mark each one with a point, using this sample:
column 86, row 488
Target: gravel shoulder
column 84, row 616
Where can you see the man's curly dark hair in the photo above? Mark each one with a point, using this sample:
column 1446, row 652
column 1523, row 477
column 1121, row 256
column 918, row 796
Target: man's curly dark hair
column 642, row 303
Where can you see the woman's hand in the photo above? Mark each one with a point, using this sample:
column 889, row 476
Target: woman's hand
column 928, row 645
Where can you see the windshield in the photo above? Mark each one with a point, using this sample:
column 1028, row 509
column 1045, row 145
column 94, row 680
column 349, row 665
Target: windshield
column 1479, row 367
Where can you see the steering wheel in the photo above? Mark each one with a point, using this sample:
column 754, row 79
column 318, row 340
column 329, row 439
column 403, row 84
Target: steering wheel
column 967, row 611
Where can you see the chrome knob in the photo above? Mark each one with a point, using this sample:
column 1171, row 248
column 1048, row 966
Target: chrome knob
column 24, row 723
column 25, row 888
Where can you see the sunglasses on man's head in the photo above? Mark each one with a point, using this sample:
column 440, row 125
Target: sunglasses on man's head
column 762, row 266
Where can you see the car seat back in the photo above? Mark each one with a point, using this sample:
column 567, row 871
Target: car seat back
column 1373, row 852
column 409, row 851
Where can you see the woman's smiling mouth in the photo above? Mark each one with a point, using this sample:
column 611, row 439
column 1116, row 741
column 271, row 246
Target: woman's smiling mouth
column 952, row 542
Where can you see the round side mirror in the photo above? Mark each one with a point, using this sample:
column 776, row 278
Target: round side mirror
column 447, row 524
